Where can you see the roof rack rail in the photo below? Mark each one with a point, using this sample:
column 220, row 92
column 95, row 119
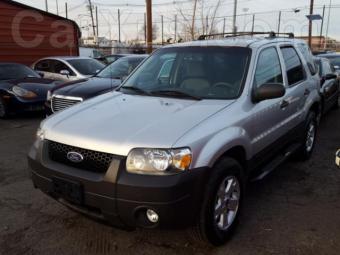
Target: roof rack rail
column 271, row 34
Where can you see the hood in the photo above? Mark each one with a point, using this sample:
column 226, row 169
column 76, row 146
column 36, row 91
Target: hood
column 115, row 123
column 87, row 88
column 37, row 85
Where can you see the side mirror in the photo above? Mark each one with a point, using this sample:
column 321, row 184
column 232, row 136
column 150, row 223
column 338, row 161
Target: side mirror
column 330, row 76
column 41, row 74
column 65, row 72
column 269, row 91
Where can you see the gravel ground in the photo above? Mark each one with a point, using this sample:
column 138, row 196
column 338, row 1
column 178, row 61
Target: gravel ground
column 295, row 210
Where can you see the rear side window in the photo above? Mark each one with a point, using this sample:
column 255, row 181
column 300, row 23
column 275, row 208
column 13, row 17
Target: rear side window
column 326, row 67
column 294, row 67
column 307, row 54
column 268, row 69
column 44, row 65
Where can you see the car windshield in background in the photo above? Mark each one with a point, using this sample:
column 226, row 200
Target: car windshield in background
column 86, row 66
column 120, row 68
column 335, row 61
column 13, row 71
column 192, row 72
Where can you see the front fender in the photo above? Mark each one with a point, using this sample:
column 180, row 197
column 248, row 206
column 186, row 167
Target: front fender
column 220, row 143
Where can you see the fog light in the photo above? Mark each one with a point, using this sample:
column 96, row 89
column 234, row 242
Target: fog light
column 152, row 215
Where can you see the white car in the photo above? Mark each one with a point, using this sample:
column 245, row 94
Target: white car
column 67, row 68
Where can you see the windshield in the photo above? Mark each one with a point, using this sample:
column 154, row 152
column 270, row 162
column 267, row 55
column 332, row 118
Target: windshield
column 192, row 72
column 86, row 66
column 13, row 71
column 120, row 68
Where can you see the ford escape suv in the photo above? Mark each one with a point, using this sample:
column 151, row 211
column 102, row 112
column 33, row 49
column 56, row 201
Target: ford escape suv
column 177, row 142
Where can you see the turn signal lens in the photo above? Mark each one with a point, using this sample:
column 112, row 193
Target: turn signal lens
column 181, row 159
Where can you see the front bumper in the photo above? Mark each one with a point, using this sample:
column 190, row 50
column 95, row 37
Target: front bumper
column 15, row 104
column 121, row 198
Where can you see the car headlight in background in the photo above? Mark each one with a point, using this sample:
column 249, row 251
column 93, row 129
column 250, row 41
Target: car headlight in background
column 40, row 134
column 158, row 161
column 337, row 159
column 24, row 93
column 49, row 96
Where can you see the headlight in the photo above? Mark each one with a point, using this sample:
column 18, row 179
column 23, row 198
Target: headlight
column 49, row 96
column 158, row 161
column 24, row 93
column 40, row 134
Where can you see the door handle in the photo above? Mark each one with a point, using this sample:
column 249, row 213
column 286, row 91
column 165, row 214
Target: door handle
column 307, row 92
column 284, row 104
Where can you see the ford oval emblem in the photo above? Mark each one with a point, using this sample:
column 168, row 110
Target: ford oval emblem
column 75, row 157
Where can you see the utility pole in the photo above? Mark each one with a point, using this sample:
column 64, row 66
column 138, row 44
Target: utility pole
column 323, row 16
column 119, row 39
column 234, row 17
column 149, row 25
column 253, row 24
column 97, row 24
column 279, row 24
column 329, row 15
column 223, row 26
column 56, row 3
column 145, row 27
column 66, row 11
column 162, row 28
column 193, row 21
column 93, row 25
column 310, row 29
column 46, row 5
column 175, row 28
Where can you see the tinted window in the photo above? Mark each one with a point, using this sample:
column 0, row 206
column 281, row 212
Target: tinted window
column 86, row 66
column 268, row 69
column 44, row 65
column 120, row 68
column 13, row 71
column 294, row 68
column 205, row 72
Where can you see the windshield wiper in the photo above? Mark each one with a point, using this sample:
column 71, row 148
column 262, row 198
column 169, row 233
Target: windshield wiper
column 135, row 89
column 174, row 93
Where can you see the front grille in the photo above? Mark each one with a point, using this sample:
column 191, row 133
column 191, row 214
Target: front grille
column 59, row 103
column 93, row 161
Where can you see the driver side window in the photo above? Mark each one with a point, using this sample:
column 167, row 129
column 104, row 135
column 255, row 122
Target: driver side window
column 268, row 69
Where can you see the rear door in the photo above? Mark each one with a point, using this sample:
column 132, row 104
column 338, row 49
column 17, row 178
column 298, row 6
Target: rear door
column 297, row 91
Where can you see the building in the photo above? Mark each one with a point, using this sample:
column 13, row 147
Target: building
column 322, row 43
column 27, row 34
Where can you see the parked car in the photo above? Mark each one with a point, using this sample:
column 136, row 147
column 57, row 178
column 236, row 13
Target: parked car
column 330, row 90
column 106, row 80
column 175, row 144
column 68, row 68
column 337, row 158
column 334, row 58
column 111, row 58
column 21, row 89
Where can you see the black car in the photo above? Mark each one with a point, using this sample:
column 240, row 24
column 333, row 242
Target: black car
column 106, row 80
column 329, row 84
column 22, row 89
column 334, row 58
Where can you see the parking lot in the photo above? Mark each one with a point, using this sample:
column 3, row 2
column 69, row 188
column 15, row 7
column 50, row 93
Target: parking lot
column 293, row 211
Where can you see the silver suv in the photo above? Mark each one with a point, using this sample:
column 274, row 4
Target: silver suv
column 175, row 145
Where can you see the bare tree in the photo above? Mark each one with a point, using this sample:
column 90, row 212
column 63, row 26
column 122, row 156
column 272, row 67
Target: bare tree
column 190, row 28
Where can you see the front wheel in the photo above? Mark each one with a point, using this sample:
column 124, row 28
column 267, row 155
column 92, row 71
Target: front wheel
column 221, row 203
column 309, row 137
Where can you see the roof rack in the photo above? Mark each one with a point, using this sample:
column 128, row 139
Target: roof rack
column 270, row 34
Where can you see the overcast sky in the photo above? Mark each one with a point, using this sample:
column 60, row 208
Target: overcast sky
column 132, row 15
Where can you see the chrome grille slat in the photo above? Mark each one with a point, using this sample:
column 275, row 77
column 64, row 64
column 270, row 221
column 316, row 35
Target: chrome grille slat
column 59, row 103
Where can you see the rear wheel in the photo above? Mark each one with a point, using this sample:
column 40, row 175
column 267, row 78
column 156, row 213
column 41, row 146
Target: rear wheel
column 3, row 109
column 309, row 137
column 221, row 203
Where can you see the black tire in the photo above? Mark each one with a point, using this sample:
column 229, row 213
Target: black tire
column 337, row 103
column 206, row 228
column 307, row 145
column 3, row 109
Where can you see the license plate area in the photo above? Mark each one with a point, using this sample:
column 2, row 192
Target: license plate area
column 68, row 190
